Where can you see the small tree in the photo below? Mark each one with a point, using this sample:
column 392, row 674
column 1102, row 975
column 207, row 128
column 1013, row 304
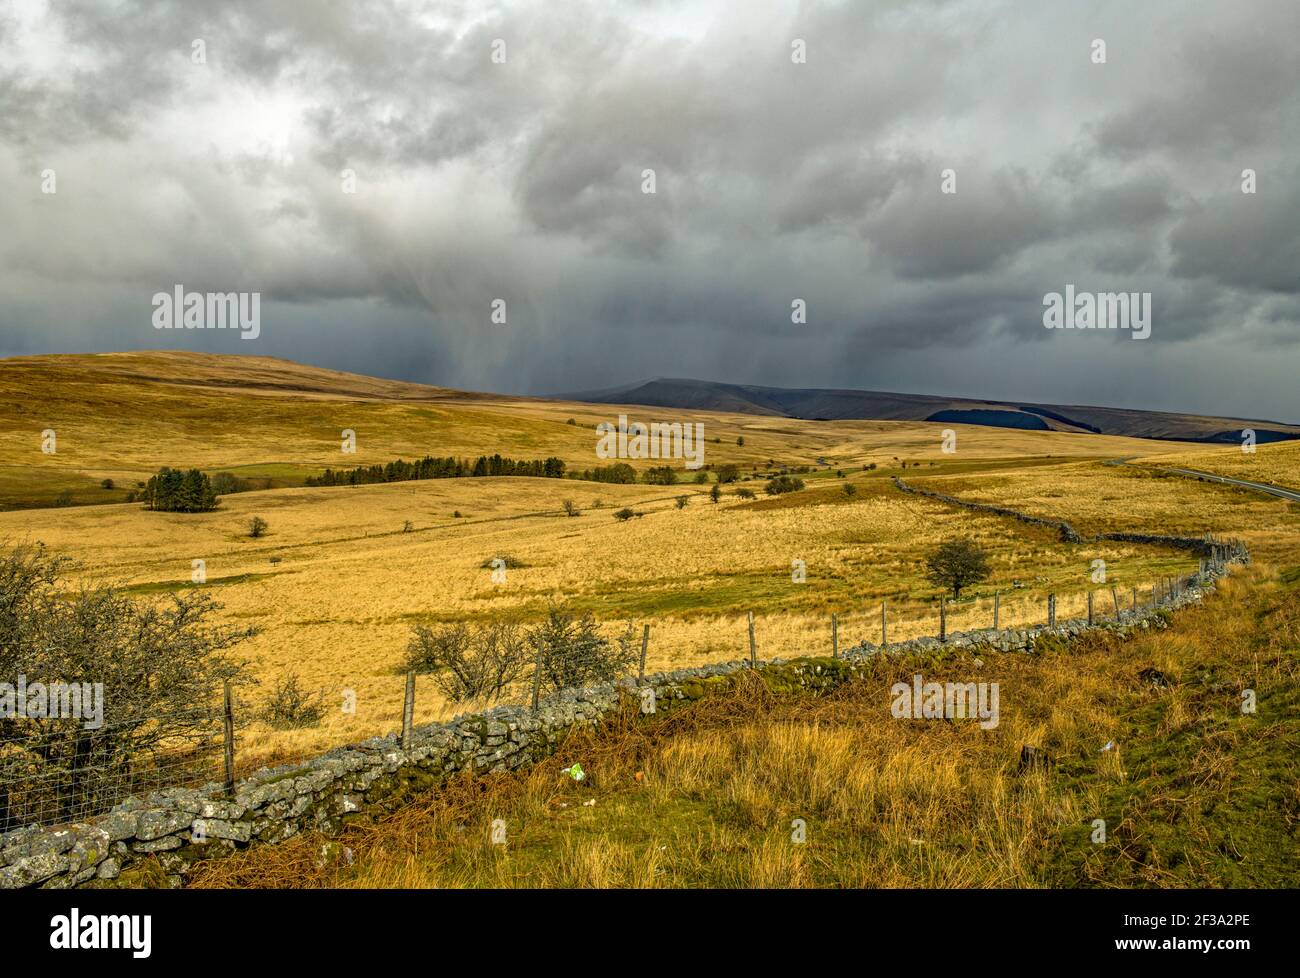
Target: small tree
column 257, row 527
column 108, row 484
column 740, row 442
column 623, row 515
column 715, row 493
column 161, row 665
column 572, row 652
column 682, row 501
column 850, row 489
column 570, row 509
column 957, row 563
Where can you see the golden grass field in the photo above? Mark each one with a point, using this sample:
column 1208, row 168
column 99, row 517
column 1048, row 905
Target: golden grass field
column 336, row 585
column 1192, row 791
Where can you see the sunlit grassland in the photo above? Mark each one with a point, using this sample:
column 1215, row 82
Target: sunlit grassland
column 1097, row 498
column 1277, row 463
column 122, row 416
column 1192, row 790
column 337, row 583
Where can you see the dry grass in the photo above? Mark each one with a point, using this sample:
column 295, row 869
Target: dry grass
column 707, row 797
column 336, row 584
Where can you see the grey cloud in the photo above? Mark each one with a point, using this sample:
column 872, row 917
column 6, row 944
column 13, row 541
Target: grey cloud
column 775, row 181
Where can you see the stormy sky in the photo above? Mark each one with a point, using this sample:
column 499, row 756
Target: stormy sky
column 499, row 153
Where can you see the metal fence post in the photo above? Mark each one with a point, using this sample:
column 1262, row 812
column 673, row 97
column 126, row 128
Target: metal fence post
column 835, row 636
column 753, row 654
column 645, row 640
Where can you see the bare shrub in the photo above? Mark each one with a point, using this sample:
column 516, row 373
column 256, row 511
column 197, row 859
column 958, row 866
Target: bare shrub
column 290, row 707
column 468, row 662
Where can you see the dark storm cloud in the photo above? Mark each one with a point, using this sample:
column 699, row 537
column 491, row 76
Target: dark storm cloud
column 775, row 181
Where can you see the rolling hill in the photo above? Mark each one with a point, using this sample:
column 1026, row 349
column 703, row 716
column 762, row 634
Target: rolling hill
column 841, row 405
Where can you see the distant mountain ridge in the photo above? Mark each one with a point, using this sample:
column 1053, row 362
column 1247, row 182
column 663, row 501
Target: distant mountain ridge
column 818, row 404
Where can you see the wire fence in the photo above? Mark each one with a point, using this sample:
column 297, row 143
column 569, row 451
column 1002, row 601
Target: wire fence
column 56, row 770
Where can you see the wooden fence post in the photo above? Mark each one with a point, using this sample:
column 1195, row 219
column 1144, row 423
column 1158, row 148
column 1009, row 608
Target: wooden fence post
column 537, row 678
column 1114, row 599
column 1090, row 620
column 645, row 641
column 884, row 626
column 753, row 654
column 1135, row 599
column 228, row 725
column 1051, row 611
column 1154, row 599
column 835, row 636
column 996, row 598
column 943, row 619
column 408, row 711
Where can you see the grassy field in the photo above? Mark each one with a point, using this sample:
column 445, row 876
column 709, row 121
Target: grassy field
column 1277, row 464
column 337, row 583
column 1193, row 791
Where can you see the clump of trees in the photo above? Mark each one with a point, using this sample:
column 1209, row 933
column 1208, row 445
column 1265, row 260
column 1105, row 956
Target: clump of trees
column 957, row 564
column 161, row 666
column 778, row 485
column 174, row 491
column 660, row 475
column 619, row 473
column 441, row 468
column 257, row 527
